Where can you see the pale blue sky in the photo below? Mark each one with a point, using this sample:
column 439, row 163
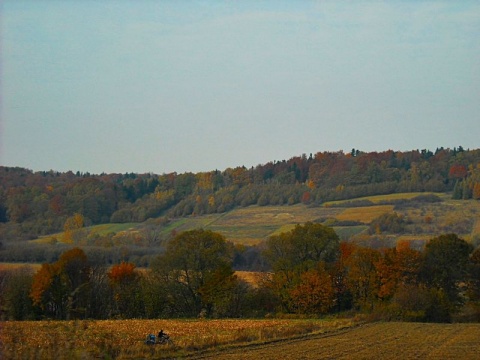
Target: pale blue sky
column 163, row 86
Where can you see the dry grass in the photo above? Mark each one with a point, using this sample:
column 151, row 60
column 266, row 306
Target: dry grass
column 364, row 214
column 476, row 228
column 388, row 197
column 13, row 266
column 253, row 278
column 124, row 339
column 254, row 224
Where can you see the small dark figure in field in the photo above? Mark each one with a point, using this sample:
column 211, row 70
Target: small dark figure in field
column 162, row 338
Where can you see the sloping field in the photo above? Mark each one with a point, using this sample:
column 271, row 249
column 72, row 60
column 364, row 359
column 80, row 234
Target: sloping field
column 253, row 224
column 364, row 214
column 389, row 197
column 101, row 229
column 372, row 341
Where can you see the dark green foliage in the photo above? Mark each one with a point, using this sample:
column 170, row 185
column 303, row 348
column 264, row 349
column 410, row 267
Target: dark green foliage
column 196, row 269
column 14, row 294
column 302, row 248
column 446, row 264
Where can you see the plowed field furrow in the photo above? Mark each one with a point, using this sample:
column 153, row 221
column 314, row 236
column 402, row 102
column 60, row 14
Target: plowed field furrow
column 373, row 341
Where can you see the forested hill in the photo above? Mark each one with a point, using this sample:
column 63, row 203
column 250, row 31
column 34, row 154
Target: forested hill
column 37, row 203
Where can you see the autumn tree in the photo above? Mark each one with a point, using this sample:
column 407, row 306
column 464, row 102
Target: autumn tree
column 297, row 252
column 125, row 282
column 60, row 288
column 72, row 228
column 388, row 223
column 362, row 279
column 314, row 293
column 397, row 266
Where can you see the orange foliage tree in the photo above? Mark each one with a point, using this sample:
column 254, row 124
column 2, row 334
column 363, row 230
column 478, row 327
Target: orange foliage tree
column 61, row 289
column 314, row 293
column 124, row 281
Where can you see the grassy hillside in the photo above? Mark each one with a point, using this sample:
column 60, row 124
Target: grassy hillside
column 350, row 219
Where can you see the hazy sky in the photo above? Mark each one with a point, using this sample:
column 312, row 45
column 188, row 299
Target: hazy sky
column 163, row 86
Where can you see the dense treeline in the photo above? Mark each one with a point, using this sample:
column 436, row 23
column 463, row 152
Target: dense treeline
column 311, row 273
column 38, row 203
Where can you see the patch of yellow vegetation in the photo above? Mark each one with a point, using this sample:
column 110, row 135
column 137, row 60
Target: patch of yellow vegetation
column 476, row 228
column 389, row 197
column 253, row 278
column 364, row 214
column 13, row 266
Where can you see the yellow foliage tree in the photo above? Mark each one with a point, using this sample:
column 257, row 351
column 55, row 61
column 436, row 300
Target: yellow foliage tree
column 71, row 228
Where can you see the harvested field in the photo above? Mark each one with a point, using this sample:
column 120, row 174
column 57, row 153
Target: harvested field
column 372, row 341
column 124, row 339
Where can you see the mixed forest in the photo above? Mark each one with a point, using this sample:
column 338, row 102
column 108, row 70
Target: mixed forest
column 330, row 263
column 39, row 203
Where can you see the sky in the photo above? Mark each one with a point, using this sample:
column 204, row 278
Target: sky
column 192, row 86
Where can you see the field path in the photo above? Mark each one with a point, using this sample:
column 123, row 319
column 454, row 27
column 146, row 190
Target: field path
column 371, row 341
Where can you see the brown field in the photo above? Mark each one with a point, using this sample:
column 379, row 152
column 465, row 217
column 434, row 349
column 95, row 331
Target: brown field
column 364, row 214
column 239, row 339
column 124, row 339
column 372, row 341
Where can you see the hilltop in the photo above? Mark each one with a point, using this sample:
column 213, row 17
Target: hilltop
column 348, row 191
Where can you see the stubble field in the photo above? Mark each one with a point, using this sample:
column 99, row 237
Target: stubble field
column 372, row 341
column 124, row 339
column 239, row 339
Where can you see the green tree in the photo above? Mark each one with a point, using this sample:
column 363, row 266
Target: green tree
column 297, row 252
column 302, row 248
column 446, row 264
column 15, row 292
column 195, row 265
